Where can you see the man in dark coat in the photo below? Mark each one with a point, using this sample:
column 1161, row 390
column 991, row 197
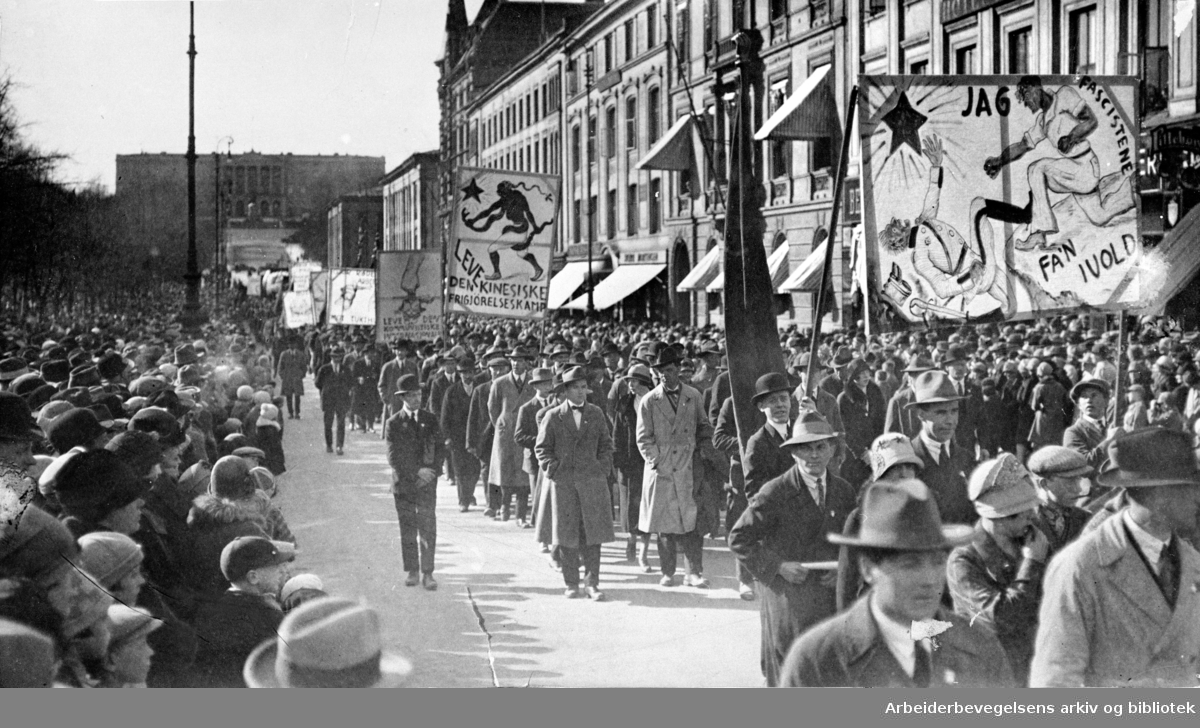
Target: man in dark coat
column 293, row 365
column 901, row 550
column 946, row 466
column 574, row 448
column 966, row 435
column 1088, row 435
column 1056, row 472
column 782, row 529
column 726, row 440
column 390, row 373
column 628, row 461
column 335, row 383
column 525, row 435
column 480, row 432
column 900, row 417
column 416, row 451
column 455, row 408
column 231, row 626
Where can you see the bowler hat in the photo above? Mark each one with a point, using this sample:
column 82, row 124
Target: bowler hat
column 158, row 421
column 1150, row 457
column 1085, row 384
column 16, row 421
column 902, row 516
column 933, row 387
column 811, row 427
column 769, row 384
column 95, row 483
column 408, row 383
column 329, row 642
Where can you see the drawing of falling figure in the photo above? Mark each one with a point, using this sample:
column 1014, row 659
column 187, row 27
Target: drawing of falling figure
column 511, row 204
column 411, row 305
column 349, row 291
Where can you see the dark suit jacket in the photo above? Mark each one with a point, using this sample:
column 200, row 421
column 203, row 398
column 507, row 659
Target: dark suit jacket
column 412, row 444
column 715, row 396
column 479, row 426
column 948, row 481
column 848, row 651
column 969, row 418
column 438, row 385
column 454, row 408
column 765, row 459
column 1085, row 437
column 527, row 431
column 900, row 417
column 335, row 387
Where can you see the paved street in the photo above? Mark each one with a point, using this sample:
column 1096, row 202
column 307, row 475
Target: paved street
column 646, row 635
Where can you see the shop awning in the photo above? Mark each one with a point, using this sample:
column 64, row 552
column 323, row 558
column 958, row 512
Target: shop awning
column 810, row 113
column 674, row 151
column 620, row 283
column 808, row 276
column 777, row 266
column 1180, row 254
column 704, row 272
column 567, row 281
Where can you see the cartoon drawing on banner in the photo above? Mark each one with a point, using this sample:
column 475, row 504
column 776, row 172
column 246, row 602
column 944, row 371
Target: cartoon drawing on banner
column 1027, row 203
column 352, row 297
column 409, row 295
column 502, row 234
column 412, row 304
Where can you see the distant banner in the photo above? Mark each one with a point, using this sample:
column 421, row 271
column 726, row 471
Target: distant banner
column 501, row 237
column 1029, row 197
column 409, row 297
column 302, row 274
column 298, row 309
column 351, row 297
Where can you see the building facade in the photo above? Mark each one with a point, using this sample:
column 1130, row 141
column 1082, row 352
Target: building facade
column 355, row 230
column 410, row 204
column 247, row 205
column 635, row 67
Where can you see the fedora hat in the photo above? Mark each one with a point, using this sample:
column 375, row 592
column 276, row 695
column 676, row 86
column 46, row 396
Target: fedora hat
column 842, row 357
column 667, row 356
column 954, row 353
column 933, row 387
column 811, row 427
column 521, row 352
column 769, row 384
column 919, row 363
column 710, row 347
column 1150, row 457
column 903, row 516
column 328, row 642
column 575, row 374
column 16, row 421
column 408, row 383
column 496, row 356
column 541, row 374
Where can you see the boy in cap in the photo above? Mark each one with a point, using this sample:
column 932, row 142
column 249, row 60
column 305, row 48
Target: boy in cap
column 1087, row 435
column 997, row 578
column 1056, row 472
column 1121, row 604
column 232, row 625
column 885, row 638
column 782, row 529
column 416, row 450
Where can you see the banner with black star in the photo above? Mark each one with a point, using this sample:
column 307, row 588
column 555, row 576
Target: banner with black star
column 502, row 233
column 997, row 198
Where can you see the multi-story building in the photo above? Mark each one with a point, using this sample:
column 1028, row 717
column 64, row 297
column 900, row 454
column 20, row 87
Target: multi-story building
column 627, row 80
column 263, row 200
column 410, row 204
column 355, row 229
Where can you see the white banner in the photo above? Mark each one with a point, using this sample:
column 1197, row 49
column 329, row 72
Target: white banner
column 409, row 297
column 319, row 286
column 351, row 297
column 501, row 237
column 302, row 274
column 298, row 310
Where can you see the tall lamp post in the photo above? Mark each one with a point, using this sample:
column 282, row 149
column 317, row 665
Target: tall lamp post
column 192, row 315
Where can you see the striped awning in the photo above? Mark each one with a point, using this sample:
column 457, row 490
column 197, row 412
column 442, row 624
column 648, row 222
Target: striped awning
column 808, row 276
column 705, row 271
column 810, row 113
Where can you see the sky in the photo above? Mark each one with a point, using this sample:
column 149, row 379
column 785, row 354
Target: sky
column 98, row 78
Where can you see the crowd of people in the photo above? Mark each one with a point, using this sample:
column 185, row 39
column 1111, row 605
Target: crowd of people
column 1001, row 504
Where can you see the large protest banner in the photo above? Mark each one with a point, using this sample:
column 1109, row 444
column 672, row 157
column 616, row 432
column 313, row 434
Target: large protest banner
column 298, row 309
column 501, row 236
column 302, row 273
column 351, row 297
column 409, row 297
column 994, row 198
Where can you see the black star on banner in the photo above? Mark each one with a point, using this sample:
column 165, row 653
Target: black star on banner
column 472, row 191
column 904, row 121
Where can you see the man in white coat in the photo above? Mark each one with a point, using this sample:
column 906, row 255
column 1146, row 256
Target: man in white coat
column 1120, row 605
column 671, row 425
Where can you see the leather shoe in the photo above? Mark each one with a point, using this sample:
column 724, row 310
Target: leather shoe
column 489, row 513
column 413, row 578
column 594, row 594
column 340, row 452
column 666, row 581
column 428, row 582
column 696, row 580
column 329, row 448
column 645, row 564
column 464, row 509
column 745, row 591
column 572, row 594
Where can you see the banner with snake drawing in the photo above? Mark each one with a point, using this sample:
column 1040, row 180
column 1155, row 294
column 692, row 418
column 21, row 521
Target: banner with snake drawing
column 502, row 233
column 997, row 198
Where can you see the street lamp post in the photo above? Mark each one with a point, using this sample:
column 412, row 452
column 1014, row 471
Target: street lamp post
column 192, row 315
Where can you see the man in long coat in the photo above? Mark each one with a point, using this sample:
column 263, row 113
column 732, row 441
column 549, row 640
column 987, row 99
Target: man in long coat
column 782, row 528
column 480, row 431
column 391, row 372
column 671, row 425
column 574, row 448
column 293, row 365
column 335, row 383
column 1121, row 605
column 508, row 393
column 454, row 410
column 525, row 434
column 415, row 450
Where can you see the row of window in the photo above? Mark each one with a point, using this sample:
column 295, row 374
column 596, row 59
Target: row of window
column 612, row 207
column 402, row 218
column 535, row 105
column 611, row 142
column 254, row 180
column 620, row 46
column 535, row 155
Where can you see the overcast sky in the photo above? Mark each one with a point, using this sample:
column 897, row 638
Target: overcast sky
column 99, row 78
